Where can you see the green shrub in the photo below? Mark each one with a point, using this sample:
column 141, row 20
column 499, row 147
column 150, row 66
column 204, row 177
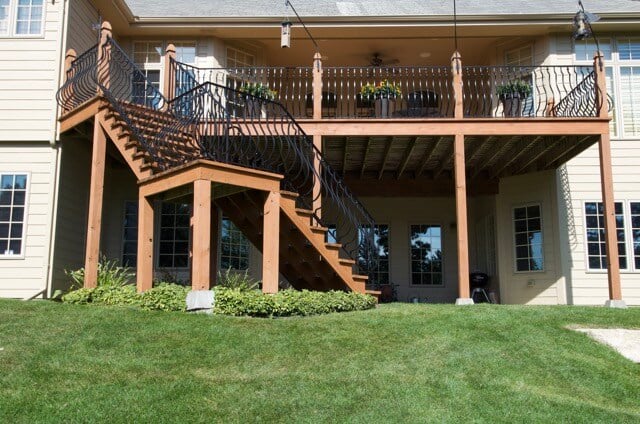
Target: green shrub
column 109, row 274
column 78, row 297
column 165, row 297
column 237, row 280
column 116, row 295
column 287, row 302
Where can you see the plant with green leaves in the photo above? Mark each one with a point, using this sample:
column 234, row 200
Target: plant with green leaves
column 383, row 90
column 110, row 273
column 258, row 89
column 237, row 280
column 515, row 88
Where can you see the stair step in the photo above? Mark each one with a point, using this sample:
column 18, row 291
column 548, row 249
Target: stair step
column 318, row 230
column 305, row 212
column 333, row 246
column 289, row 195
column 349, row 262
column 360, row 278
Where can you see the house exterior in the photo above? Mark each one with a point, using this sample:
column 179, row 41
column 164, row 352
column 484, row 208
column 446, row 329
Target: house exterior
column 407, row 146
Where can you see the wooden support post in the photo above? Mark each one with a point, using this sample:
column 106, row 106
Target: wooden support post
column 169, row 74
column 549, row 111
column 96, row 192
column 601, row 85
column 215, row 237
column 145, row 243
column 271, row 243
column 456, row 71
column 611, row 233
column 70, row 57
column 317, row 86
column 317, row 186
column 461, row 219
column 104, row 56
column 201, row 249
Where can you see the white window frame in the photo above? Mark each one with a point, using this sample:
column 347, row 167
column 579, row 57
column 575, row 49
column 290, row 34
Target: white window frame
column 614, row 63
column 248, row 242
column 513, row 239
column 442, row 263
column 244, row 52
column 13, row 20
column 23, row 236
column 628, row 238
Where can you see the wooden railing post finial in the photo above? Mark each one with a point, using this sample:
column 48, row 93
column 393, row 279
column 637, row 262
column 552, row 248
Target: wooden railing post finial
column 601, row 85
column 169, row 75
column 68, row 60
column 104, row 55
column 317, row 86
column 456, row 71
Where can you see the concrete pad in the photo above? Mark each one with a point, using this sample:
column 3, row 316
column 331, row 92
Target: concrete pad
column 616, row 304
column 625, row 342
column 461, row 301
column 200, row 301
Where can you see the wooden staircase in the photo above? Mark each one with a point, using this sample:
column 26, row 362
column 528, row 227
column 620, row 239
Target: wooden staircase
column 307, row 261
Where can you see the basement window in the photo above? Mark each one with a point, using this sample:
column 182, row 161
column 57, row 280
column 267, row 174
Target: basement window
column 13, row 203
column 234, row 247
column 426, row 255
column 379, row 275
column 527, row 228
column 596, row 241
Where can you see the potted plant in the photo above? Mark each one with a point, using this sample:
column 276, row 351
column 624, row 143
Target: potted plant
column 255, row 96
column 384, row 95
column 511, row 95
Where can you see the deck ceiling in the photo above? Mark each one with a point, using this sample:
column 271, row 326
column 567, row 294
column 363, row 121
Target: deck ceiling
column 430, row 158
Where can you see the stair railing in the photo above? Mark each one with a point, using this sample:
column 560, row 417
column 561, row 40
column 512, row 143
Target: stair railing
column 81, row 83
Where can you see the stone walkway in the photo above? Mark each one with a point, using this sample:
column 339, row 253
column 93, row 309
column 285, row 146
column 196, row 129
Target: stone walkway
column 626, row 342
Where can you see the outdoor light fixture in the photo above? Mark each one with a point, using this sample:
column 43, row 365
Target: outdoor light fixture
column 582, row 26
column 285, row 34
column 285, row 31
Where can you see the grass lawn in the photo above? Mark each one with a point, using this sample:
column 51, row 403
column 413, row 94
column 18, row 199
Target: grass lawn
column 398, row 363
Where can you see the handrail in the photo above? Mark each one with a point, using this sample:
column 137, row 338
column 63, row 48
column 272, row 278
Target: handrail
column 579, row 101
column 81, row 82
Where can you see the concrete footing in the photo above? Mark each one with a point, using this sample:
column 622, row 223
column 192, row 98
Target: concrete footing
column 616, row 304
column 464, row 301
column 200, row 301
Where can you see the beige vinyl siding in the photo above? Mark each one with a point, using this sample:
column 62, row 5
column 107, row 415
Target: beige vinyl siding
column 546, row 287
column 73, row 200
column 28, row 81
column 80, row 34
column 25, row 276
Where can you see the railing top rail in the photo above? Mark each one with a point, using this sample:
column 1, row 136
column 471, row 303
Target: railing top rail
column 224, row 68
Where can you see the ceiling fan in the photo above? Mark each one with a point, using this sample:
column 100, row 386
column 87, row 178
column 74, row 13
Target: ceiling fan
column 377, row 60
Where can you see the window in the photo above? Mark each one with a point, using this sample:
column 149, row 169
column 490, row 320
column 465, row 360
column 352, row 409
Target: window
column 634, row 208
column 21, row 18
column 523, row 56
column 13, row 202
column 173, row 249
column 234, row 247
column 426, row 254
column 130, row 235
column 380, row 274
column 186, row 52
column 596, row 242
column 146, row 82
column 237, row 58
column 527, row 229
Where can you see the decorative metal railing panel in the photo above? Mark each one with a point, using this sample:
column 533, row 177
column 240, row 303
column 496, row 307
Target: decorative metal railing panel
column 81, row 83
column 242, row 129
column 526, row 91
column 387, row 92
column 291, row 87
column 581, row 101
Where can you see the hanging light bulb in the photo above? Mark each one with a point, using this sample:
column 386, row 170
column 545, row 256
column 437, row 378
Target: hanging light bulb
column 285, row 34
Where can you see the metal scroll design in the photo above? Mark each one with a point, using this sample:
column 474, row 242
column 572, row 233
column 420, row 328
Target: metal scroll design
column 581, row 101
column 81, row 83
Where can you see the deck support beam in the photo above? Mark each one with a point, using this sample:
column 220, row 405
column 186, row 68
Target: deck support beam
column 461, row 220
column 145, row 243
column 271, row 243
column 96, row 195
column 215, row 238
column 201, row 246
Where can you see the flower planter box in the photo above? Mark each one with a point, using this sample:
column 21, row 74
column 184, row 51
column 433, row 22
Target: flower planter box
column 385, row 107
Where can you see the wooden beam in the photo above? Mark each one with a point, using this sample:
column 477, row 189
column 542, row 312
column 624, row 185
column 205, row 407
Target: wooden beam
column 345, row 156
column 96, row 194
column 522, row 149
column 317, row 86
column 427, row 156
column 215, row 240
column 473, row 151
column 144, row 268
column 578, row 147
column 169, row 75
column 366, row 154
column 386, row 156
column 606, row 180
column 201, row 243
column 549, row 145
column 461, row 217
column 422, row 187
column 446, row 159
column 498, row 153
column 407, row 155
column 271, row 243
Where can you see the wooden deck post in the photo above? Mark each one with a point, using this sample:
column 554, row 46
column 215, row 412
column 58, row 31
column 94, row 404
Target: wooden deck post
column 104, row 55
column 145, row 243
column 215, row 237
column 317, row 186
column 70, row 57
column 169, row 75
column 464, row 297
column 317, row 86
column 201, row 250
column 96, row 192
column 271, row 243
column 606, row 180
